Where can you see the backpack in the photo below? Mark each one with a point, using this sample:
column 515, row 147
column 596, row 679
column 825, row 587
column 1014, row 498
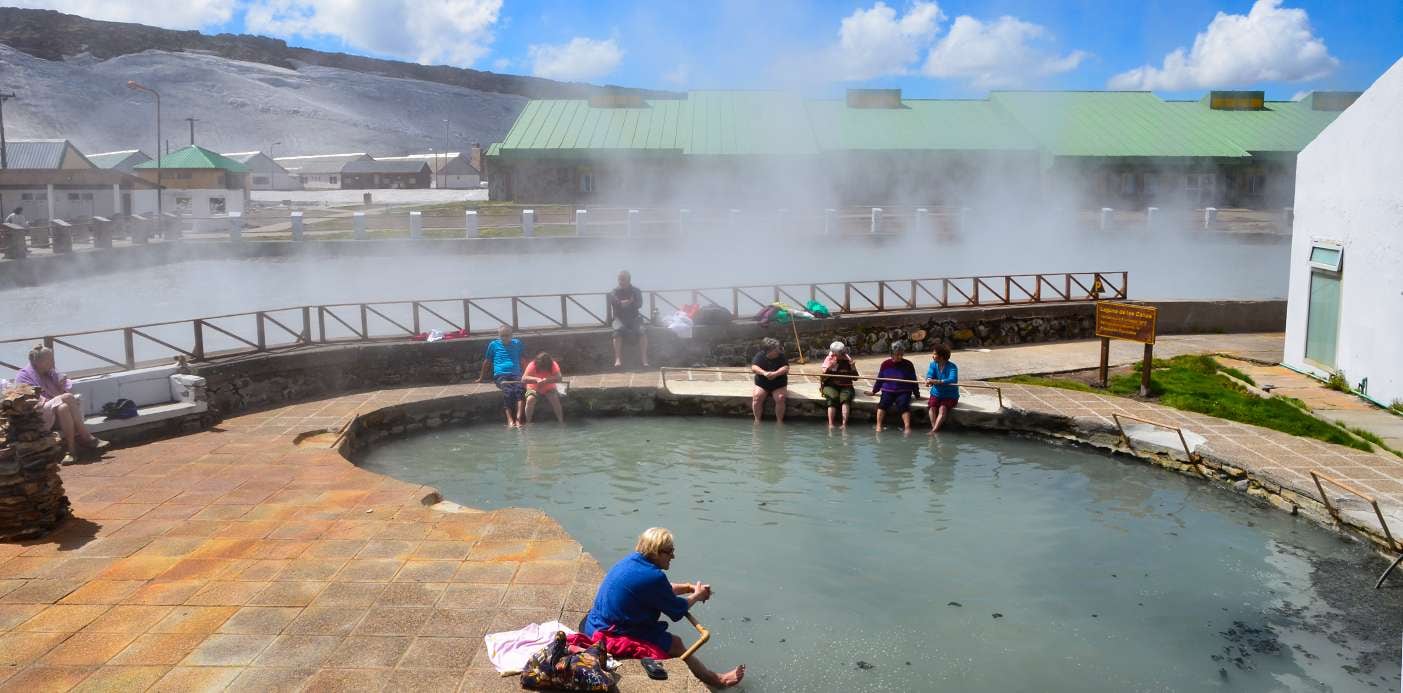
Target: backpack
column 712, row 315
column 554, row 668
column 123, row 408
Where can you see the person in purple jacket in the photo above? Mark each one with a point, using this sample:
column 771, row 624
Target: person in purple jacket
column 59, row 407
column 896, row 383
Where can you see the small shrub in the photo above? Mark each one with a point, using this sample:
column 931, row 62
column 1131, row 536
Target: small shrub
column 1338, row 382
column 1397, row 406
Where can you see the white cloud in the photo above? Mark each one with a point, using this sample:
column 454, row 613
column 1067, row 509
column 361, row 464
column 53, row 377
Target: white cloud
column 582, row 59
column 1005, row 52
column 501, row 64
column 679, row 76
column 455, row 32
column 876, row 42
column 171, row 14
column 1268, row 44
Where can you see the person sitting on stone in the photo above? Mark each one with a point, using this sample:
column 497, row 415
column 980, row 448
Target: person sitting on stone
column 626, row 303
column 838, row 392
column 541, row 376
column 896, row 382
column 632, row 597
column 943, row 379
column 771, row 370
column 503, row 357
column 59, row 407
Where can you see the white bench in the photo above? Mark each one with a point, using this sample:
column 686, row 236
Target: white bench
column 160, row 393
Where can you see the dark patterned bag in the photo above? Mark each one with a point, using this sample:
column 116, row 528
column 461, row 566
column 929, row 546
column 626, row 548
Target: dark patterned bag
column 555, row 669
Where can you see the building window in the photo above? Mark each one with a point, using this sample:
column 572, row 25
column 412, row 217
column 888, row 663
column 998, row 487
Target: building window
column 87, row 196
column 586, row 181
column 216, row 205
column 182, row 205
column 332, row 180
column 1257, row 184
column 1127, row 183
column 35, row 197
column 260, row 180
column 1151, row 183
column 74, row 197
column 1326, row 255
column 1201, row 187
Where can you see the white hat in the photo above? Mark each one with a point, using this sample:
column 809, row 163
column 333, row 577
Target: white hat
column 837, row 347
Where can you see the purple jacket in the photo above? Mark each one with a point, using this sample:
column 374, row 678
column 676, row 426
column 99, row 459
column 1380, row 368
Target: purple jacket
column 50, row 385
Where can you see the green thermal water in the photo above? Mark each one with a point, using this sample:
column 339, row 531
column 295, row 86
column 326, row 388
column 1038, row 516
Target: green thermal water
column 968, row 562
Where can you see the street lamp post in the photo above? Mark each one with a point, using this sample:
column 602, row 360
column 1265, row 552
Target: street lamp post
column 273, row 174
column 160, row 193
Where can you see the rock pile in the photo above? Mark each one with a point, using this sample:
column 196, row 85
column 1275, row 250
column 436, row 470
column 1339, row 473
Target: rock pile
column 32, row 502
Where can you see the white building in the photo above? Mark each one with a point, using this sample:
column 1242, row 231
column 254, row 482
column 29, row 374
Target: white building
column 451, row 170
column 319, row 171
column 264, row 173
column 1346, row 292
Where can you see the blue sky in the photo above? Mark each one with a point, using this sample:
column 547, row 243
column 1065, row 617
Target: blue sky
column 948, row 48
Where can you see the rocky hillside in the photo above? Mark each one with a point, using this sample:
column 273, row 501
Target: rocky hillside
column 246, row 92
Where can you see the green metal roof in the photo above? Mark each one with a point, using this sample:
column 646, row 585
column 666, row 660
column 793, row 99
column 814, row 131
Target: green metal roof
column 921, row 124
column 195, row 156
column 1114, row 124
column 1057, row 124
column 705, row 123
column 1282, row 126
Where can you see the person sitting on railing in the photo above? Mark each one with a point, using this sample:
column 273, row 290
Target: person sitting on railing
column 838, row 392
column 59, row 406
column 632, row 597
column 541, row 376
column 943, row 378
column 771, row 370
column 896, row 381
column 626, row 302
column 503, row 356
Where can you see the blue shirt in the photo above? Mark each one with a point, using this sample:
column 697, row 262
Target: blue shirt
column 945, row 380
column 632, row 596
column 505, row 358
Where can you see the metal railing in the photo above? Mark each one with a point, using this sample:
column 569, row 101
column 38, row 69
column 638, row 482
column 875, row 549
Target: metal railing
column 1334, row 511
column 1125, row 438
column 205, row 338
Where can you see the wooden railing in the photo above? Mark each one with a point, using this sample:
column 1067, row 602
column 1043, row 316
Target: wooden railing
column 205, row 338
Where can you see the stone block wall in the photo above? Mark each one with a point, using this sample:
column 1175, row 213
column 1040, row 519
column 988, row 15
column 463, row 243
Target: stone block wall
column 264, row 380
column 32, row 500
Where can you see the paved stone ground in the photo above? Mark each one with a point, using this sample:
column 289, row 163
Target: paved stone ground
column 234, row 559
column 1331, row 405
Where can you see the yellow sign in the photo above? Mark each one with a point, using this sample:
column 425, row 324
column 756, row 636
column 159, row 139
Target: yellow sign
column 1096, row 288
column 1125, row 321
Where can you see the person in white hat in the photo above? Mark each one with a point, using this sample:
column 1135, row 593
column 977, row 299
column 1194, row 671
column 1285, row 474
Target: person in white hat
column 838, row 391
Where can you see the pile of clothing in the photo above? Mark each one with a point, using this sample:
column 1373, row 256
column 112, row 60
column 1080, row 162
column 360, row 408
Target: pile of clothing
column 783, row 313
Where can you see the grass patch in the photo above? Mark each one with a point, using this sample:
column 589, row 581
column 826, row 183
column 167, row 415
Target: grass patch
column 1397, row 406
column 1338, row 382
column 1192, row 383
column 1048, row 382
column 1237, row 374
column 1369, row 436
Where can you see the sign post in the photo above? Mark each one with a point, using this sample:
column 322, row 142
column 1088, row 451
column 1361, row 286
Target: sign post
column 1129, row 322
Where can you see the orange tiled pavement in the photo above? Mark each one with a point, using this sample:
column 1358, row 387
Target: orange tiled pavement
column 233, row 559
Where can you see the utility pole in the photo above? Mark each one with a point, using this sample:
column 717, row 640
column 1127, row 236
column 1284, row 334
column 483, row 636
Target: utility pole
column 4, row 161
column 192, row 120
column 445, row 154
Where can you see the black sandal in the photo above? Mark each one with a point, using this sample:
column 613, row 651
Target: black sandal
column 654, row 668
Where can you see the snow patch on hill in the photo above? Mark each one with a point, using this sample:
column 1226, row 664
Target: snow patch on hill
column 242, row 106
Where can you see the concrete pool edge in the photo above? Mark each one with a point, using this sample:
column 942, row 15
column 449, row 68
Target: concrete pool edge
column 372, row 427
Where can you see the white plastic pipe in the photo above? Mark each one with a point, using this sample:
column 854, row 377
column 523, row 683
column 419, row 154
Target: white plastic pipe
column 416, row 225
column 528, row 222
column 632, row 229
column 470, row 223
column 236, row 226
column 358, row 225
column 1106, row 214
column 297, row 227
column 581, row 221
column 876, row 220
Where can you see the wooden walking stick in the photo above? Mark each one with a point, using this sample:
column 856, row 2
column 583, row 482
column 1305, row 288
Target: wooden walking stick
column 793, row 322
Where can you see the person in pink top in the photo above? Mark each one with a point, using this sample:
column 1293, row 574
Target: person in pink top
column 541, row 376
column 59, row 406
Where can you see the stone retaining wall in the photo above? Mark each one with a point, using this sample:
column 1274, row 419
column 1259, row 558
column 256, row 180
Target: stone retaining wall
column 265, row 380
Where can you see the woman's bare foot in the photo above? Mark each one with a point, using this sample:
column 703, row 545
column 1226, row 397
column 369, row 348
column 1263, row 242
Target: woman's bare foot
column 731, row 677
column 879, row 429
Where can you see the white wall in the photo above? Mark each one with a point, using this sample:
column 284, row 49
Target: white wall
column 199, row 202
column 1349, row 189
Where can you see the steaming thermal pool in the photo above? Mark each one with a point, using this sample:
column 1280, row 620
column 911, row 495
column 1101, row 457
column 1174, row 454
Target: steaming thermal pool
column 970, row 562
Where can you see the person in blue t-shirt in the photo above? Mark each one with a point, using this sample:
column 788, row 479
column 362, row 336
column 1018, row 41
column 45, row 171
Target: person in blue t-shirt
column 635, row 593
column 503, row 356
column 943, row 379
